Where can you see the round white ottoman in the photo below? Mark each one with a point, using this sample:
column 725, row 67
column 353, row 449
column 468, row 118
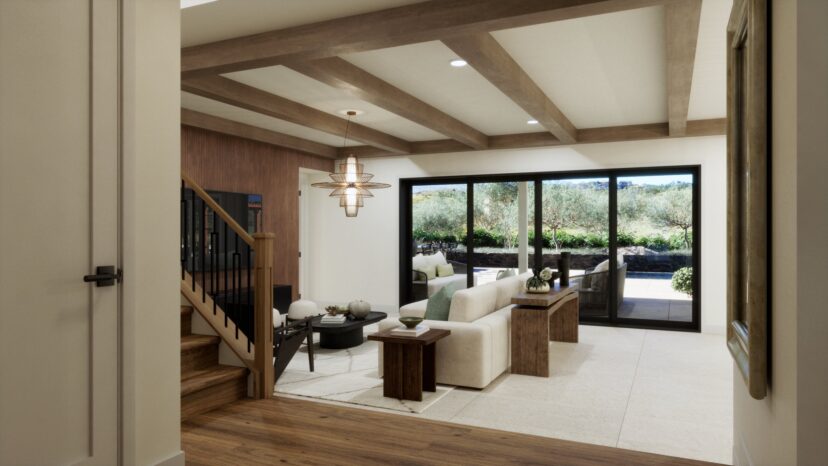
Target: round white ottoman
column 303, row 308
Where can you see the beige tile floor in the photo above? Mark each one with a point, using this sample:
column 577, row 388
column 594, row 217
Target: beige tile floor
column 654, row 391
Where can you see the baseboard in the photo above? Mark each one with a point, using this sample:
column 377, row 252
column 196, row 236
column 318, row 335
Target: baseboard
column 175, row 460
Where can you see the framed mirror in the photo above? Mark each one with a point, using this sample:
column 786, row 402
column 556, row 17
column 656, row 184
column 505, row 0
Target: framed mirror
column 747, row 152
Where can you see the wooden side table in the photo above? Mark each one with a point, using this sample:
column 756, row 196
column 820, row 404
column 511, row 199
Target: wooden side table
column 408, row 363
column 538, row 319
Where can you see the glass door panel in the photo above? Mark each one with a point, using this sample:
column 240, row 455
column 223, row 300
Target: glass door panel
column 575, row 214
column 501, row 241
column 655, row 240
column 438, row 234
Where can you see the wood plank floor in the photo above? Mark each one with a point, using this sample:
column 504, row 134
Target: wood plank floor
column 289, row 431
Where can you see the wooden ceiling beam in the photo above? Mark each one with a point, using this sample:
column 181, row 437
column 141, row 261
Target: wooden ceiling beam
column 681, row 22
column 491, row 60
column 357, row 82
column 409, row 24
column 242, row 130
column 256, row 100
column 696, row 128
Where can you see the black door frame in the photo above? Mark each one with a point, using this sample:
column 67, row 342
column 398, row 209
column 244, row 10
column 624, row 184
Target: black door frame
column 612, row 319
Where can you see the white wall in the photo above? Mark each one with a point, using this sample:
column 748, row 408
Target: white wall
column 790, row 426
column 151, row 338
column 358, row 257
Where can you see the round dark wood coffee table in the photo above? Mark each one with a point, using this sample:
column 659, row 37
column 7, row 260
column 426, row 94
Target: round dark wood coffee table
column 345, row 335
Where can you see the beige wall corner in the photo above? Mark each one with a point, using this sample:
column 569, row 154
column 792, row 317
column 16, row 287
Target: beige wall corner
column 151, row 180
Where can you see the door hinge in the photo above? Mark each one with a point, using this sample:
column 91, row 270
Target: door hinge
column 300, row 193
column 300, row 253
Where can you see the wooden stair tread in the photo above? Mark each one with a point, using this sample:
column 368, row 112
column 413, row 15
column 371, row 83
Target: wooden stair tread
column 190, row 342
column 186, row 310
column 199, row 380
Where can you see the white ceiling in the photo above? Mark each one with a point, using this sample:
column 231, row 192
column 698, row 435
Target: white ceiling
column 225, row 19
column 423, row 71
column 308, row 91
column 212, row 107
column 606, row 70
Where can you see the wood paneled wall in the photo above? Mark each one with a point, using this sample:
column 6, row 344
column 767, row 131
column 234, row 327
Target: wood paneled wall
column 227, row 163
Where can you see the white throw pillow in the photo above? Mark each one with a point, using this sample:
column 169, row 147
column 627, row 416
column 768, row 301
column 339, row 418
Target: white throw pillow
column 419, row 261
column 436, row 259
column 602, row 267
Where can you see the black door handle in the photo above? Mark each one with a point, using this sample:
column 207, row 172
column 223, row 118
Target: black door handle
column 105, row 275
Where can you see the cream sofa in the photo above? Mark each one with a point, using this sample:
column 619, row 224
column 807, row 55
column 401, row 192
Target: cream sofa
column 478, row 349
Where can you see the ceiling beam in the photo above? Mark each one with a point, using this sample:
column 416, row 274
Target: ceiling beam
column 357, row 82
column 681, row 22
column 491, row 60
column 256, row 100
column 713, row 127
column 242, row 130
column 409, row 24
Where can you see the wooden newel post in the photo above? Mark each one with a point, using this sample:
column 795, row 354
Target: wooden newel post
column 263, row 311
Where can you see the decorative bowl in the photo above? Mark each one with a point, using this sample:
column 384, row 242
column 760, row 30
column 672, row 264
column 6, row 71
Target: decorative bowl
column 411, row 322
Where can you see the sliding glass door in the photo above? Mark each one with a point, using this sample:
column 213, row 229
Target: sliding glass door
column 655, row 241
column 631, row 234
column 575, row 213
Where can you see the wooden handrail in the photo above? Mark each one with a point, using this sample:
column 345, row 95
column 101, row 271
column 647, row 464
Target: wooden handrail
column 245, row 236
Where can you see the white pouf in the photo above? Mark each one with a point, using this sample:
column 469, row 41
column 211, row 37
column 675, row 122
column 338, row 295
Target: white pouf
column 302, row 309
column 278, row 318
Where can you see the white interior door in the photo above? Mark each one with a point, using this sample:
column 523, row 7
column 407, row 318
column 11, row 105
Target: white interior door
column 59, row 170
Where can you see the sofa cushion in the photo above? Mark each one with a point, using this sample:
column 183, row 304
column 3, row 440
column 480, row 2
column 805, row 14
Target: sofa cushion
column 436, row 259
column 418, row 261
column 429, row 270
column 445, row 270
column 415, row 309
column 438, row 305
column 439, row 282
column 506, row 289
column 473, row 303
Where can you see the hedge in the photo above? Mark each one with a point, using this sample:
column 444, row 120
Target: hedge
column 487, row 239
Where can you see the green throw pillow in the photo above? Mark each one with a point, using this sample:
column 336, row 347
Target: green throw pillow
column 440, row 302
column 445, row 270
column 429, row 270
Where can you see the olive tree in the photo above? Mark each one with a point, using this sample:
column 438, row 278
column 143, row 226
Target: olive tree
column 673, row 208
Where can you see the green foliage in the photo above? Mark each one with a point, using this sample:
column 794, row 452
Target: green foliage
column 625, row 239
column 654, row 242
column 683, row 280
column 677, row 240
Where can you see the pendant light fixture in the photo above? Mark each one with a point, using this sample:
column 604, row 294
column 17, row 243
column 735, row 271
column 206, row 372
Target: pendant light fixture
column 350, row 182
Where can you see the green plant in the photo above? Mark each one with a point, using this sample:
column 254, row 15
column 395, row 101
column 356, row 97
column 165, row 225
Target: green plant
column 654, row 242
column 683, row 280
column 678, row 240
column 535, row 281
column 625, row 239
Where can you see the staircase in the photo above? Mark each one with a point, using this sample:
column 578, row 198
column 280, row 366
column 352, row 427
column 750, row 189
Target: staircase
column 206, row 384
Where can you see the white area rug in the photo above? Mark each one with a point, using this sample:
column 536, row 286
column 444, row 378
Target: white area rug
column 347, row 376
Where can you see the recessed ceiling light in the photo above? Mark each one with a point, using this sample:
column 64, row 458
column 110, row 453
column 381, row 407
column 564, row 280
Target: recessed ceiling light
column 189, row 3
column 532, row 122
column 458, row 63
column 344, row 111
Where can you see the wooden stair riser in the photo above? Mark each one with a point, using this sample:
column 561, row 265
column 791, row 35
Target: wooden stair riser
column 213, row 397
column 186, row 320
column 200, row 358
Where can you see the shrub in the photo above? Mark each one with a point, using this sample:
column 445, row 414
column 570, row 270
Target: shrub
column 570, row 240
column 683, row 280
column 625, row 239
column 654, row 242
column 676, row 240
column 592, row 240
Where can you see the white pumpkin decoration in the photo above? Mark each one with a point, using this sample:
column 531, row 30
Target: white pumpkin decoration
column 359, row 308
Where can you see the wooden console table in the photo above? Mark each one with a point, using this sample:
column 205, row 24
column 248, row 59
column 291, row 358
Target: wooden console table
column 408, row 363
column 538, row 319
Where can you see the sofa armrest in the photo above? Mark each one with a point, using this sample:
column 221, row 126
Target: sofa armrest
column 464, row 358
